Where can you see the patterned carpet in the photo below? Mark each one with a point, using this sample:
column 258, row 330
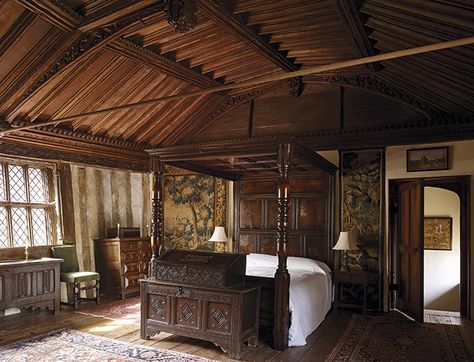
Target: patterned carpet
column 374, row 338
column 70, row 346
column 126, row 311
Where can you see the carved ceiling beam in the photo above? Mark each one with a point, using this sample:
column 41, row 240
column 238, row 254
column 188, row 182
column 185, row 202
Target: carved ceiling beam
column 55, row 12
column 113, row 13
column 81, row 48
column 181, row 14
column 154, row 60
column 349, row 12
column 222, row 17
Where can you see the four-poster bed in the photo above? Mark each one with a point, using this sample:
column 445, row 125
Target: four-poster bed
column 277, row 163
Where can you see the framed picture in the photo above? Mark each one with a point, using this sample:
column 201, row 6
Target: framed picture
column 438, row 233
column 427, row 159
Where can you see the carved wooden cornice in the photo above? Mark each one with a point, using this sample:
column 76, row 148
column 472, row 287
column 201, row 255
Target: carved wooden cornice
column 147, row 57
column 222, row 17
column 181, row 14
column 67, row 148
column 75, row 134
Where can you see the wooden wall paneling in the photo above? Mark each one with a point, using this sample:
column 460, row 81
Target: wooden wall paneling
column 251, row 215
column 248, row 243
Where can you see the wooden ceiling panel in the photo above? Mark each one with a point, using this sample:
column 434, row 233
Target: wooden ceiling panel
column 442, row 78
column 69, row 57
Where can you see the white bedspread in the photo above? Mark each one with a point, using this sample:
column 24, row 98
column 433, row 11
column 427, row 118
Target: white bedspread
column 310, row 291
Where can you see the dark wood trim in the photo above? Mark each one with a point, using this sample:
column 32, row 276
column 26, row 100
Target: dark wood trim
column 222, row 17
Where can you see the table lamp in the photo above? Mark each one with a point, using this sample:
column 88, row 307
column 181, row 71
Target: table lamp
column 219, row 238
column 345, row 242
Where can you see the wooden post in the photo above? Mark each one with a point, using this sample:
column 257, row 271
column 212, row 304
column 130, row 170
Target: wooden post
column 157, row 168
column 282, row 277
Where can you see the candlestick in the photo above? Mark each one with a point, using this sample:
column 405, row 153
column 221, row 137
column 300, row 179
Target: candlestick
column 118, row 230
column 26, row 252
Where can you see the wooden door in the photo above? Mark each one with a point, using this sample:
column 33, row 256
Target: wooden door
column 409, row 297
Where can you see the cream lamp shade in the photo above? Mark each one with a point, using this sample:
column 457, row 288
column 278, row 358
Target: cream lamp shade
column 219, row 234
column 345, row 242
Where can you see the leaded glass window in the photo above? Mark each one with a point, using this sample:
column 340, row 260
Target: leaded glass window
column 27, row 210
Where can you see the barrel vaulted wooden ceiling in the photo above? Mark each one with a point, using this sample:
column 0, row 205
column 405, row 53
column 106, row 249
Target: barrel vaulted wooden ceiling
column 67, row 57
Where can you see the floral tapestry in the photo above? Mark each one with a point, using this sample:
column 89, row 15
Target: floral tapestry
column 193, row 204
column 362, row 195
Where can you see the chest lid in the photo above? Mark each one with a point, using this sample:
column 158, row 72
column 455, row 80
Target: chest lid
column 218, row 270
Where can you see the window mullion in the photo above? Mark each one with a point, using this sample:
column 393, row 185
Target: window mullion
column 29, row 217
column 8, row 207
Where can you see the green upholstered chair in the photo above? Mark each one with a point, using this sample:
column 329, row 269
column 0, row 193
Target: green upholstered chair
column 70, row 273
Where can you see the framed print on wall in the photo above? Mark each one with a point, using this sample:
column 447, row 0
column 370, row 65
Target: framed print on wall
column 427, row 159
column 438, row 233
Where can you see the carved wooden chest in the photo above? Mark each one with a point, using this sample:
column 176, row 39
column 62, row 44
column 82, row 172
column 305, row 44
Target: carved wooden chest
column 214, row 270
column 201, row 295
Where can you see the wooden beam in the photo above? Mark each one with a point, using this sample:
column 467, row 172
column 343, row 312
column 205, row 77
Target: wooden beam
column 349, row 11
column 112, row 13
column 159, row 62
column 54, row 12
column 222, row 17
column 260, row 80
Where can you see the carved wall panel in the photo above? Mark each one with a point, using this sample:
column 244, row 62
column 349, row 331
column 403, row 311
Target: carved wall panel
column 310, row 218
column 2, row 288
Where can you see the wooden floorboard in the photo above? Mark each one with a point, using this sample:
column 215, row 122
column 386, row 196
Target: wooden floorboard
column 319, row 344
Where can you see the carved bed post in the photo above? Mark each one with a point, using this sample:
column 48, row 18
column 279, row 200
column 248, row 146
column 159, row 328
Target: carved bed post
column 282, row 277
column 157, row 169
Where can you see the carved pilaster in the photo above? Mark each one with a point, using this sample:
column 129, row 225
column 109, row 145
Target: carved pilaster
column 181, row 14
column 157, row 169
column 282, row 277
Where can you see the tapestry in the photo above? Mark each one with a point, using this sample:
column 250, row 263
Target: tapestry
column 395, row 338
column 70, row 346
column 362, row 205
column 193, row 204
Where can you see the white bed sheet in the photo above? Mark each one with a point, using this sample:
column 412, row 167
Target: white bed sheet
column 310, row 291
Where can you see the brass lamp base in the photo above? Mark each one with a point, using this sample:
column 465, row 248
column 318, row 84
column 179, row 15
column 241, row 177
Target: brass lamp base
column 220, row 246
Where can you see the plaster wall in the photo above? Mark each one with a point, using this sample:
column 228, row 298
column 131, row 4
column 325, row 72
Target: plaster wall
column 442, row 267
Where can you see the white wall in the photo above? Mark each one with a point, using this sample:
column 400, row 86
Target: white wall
column 442, row 267
column 462, row 163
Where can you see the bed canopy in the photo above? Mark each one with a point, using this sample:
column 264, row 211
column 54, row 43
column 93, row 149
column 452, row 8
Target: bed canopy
column 236, row 160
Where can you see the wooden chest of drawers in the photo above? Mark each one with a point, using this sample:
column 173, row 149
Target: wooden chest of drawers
column 121, row 263
column 32, row 283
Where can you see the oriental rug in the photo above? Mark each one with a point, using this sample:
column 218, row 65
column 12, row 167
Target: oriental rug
column 126, row 311
column 67, row 345
column 380, row 338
